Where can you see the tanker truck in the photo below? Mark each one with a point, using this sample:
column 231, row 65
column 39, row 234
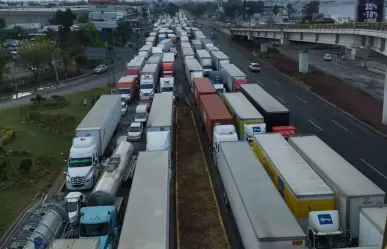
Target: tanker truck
column 101, row 215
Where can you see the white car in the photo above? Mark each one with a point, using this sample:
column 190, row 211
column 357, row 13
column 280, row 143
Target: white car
column 141, row 117
column 254, row 67
column 100, row 69
column 327, row 57
column 124, row 108
column 135, row 131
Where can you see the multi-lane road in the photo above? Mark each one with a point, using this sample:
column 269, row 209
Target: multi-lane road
column 361, row 145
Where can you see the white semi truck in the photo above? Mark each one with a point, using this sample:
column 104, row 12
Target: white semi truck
column 219, row 58
column 193, row 69
column 261, row 215
column 92, row 137
column 167, row 84
column 148, row 79
column 351, row 187
column 204, row 58
column 372, row 223
column 188, row 53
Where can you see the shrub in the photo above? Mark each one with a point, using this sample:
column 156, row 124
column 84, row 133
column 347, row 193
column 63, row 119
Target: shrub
column 25, row 165
column 6, row 139
column 43, row 161
column 56, row 103
column 8, row 134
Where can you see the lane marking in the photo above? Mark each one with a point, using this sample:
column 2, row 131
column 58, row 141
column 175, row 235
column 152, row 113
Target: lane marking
column 342, row 126
column 237, row 62
column 372, row 167
column 246, row 71
column 259, row 82
column 313, row 123
column 283, row 101
column 300, row 99
column 276, row 82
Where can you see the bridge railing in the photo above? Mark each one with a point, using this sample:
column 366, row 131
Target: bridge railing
column 354, row 25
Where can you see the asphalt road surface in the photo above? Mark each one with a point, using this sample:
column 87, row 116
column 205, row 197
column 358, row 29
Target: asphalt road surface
column 361, row 145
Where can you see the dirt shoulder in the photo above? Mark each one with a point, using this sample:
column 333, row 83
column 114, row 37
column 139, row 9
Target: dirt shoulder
column 346, row 97
column 199, row 221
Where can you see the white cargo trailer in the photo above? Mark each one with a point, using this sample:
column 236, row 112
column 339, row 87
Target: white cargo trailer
column 233, row 77
column 193, row 69
column 219, row 58
column 352, row 188
column 188, row 53
column 185, row 45
column 261, row 215
column 204, row 59
column 146, row 50
column 372, row 222
column 165, row 45
column 147, row 216
column 197, row 44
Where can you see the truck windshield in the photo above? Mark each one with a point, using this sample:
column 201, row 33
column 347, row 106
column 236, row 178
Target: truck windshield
column 72, row 206
column 167, row 89
column 80, row 162
column 146, row 86
column 94, row 230
column 123, row 91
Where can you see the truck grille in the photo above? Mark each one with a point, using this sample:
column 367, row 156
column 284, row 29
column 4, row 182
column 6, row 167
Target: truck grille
column 77, row 181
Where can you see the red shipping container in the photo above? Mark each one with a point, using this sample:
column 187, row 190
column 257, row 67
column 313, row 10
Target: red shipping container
column 202, row 86
column 213, row 112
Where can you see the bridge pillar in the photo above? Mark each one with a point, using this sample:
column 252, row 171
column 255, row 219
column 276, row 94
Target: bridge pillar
column 263, row 47
column 303, row 61
column 353, row 53
column 284, row 41
column 384, row 115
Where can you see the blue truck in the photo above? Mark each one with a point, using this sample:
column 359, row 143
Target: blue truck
column 216, row 78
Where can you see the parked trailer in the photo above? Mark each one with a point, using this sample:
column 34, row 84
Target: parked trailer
column 149, row 77
column 165, row 45
column 204, row 59
column 135, row 65
column 188, row 53
column 274, row 112
column 219, row 58
column 372, row 223
column 145, row 50
column 192, row 70
column 196, row 44
column 147, row 216
column 213, row 113
column 263, row 219
column 92, row 243
column 185, row 45
column 301, row 187
column 150, row 40
column 351, row 187
column 233, row 78
column 168, row 65
column 243, row 112
column 200, row 87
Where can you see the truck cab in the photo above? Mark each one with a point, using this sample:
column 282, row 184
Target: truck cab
column 285, row 131
column 82, row 165
column 324, row 230
column 167, row 84
column 126, row 87
column 216, row 78
column 250, row 130
column 147, row 86
column 222, row 133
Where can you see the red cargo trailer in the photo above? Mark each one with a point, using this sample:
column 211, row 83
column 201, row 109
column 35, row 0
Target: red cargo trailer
column 202, row 86
column 213, row 113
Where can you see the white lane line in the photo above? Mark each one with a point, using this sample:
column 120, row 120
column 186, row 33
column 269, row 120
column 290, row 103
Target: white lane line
column 313, row 123
column 237, row 62
column 259, row 82
column 300, row 99
column 276, row 82
column 245, row 70
column 283, row 101
column 372, row 167
column 342, row 126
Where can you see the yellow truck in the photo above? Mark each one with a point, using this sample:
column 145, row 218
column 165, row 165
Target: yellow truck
column 301, row 187
column 244, row 114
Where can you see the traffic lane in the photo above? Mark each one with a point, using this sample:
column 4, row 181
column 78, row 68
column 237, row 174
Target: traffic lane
column 351, row 144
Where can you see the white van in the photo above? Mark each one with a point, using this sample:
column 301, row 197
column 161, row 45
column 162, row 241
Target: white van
column 141, row 114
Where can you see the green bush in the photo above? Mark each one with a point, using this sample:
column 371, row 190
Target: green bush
column 25, row 165
column 6, row 139
column 56, row 103
column 7, row 136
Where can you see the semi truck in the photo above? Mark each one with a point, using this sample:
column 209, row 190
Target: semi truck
column 204, row 59
column 92, row 137
column 151, row 40
column 145, row 51
column 205, row 41
column 244, row 114
column 165, row 45
column 185, row 45
column 233, row 77
column 218, row 59
column 212, row 49
column 200, row 87
column 193, row 69
column 135, row 65
column 126, row 87
column 167, row 84
column 149, row 77
column 216, row 78
column 261, row 216
column 188, row 53
column 197, row 44
column 168, row 65
column 301, row 187
column 159, row 128
column 147, row 218
column 372, row 223
column 101, row 217
column 276, row 115
column 157, row 51
column 162, row 37
column 351, row 186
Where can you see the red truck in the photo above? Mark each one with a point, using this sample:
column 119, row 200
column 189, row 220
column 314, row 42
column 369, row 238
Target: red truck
column 213, row 112
column 168, row 65
column 200, row 87
column 135, row 65
column 233, row 77
column 127, row 87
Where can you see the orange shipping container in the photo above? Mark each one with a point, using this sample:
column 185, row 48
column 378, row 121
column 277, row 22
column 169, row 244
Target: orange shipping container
column 202, row 86
column 213, row 112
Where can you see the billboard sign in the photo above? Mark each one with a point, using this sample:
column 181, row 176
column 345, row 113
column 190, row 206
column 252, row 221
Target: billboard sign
column 102, row 1
column 102, row 7
column 370, row 10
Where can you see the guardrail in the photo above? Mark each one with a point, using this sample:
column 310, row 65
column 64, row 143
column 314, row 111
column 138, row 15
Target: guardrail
column 369, row 26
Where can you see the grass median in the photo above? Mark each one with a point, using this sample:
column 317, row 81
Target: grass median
column 34, row 142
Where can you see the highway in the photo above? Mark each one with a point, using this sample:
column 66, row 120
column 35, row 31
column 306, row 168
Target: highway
column 362, row 146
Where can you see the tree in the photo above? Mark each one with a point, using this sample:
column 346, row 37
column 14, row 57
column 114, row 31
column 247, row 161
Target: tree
column 289, row 9
column 3, row 65
column 275, row 10
column 88, row 36
column 3, row 23
column 199, row 9
column 172, row 9
column 65, row 19
column 84, row 18
column 35, row 54
column 309, row 9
